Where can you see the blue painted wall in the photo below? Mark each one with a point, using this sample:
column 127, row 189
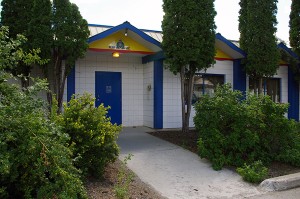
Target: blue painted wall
column 293, row 96
column 158, row 94
column 71, row 84
column 239, row 76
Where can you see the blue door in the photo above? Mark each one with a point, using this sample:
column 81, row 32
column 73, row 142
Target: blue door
column 108, row 90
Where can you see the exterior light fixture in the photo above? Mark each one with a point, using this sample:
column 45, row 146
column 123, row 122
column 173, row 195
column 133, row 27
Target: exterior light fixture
column 126, row 34
column 116, row 54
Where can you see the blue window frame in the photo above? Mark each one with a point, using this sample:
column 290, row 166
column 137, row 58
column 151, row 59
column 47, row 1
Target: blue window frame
column 271, row 87
column 206, row 84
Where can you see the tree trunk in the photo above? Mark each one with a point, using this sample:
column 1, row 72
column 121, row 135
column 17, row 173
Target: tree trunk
column 260, row 86
column 183, row 100
column 60, row 93
column 186, row 97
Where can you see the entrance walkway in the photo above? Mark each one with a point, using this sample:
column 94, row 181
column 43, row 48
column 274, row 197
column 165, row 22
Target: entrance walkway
column 177, row 173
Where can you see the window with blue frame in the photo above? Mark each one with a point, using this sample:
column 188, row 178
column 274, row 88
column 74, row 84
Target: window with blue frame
column 271, row 87
column 206, row 84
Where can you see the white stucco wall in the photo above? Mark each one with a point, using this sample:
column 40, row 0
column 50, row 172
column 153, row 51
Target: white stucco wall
column 132, row 82
column 172, row 96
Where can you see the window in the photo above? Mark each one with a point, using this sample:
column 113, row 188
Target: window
column 206, row 84
column 271, row 87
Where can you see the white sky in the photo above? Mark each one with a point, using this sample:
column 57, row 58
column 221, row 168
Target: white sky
column 148, row 14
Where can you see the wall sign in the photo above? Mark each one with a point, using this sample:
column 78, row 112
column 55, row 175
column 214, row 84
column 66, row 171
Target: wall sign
column 118, row 45
column 108, row 89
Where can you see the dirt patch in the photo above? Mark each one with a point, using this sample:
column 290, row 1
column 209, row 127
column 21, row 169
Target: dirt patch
column 189, row 142
column 104, row 188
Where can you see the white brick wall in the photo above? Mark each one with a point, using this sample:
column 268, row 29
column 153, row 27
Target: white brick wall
column 282, row 73
column 148, row 95
column 132, row 82
column 172, row 96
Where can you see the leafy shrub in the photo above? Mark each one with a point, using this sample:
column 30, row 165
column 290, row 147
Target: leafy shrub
column 34, row 159
column 254, row 173
column 233, row 131
column 125, row 177
column 290, row 152
column 93, row 136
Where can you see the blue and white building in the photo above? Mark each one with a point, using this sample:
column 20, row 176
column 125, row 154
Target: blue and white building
column 124, row 69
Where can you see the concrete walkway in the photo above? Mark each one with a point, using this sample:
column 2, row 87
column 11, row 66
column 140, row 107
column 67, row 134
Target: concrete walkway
column 177, row 173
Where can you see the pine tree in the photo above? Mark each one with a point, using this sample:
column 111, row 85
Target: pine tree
column 257, row 25
column 295, row 26
column 189, row 43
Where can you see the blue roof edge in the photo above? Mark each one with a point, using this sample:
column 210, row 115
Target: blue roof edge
column 230, row 44
column 124, row 25
column 287, row 49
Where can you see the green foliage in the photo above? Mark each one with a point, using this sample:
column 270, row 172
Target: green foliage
column 295, row 26
column 11, row 52
column 35, row 161
column 39, row 33
column 257, row 24
column 56, row 28
column 189, row 33
column 254, row 173
column 124, row 179
column 93, row 136
column 291, row 151
column 234, row 131
column 189, row 43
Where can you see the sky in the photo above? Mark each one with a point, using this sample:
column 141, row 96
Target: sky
column 148, row 14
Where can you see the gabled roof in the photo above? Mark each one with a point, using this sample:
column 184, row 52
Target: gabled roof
column 288, row 50
column 152, row 40
column 229, row 47
column 100, row 32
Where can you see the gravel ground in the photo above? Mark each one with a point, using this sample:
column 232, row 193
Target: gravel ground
column 104, row 188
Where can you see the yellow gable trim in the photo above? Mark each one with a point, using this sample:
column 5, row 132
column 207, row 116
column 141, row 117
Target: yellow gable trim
column 111, row 41
column 221, row 54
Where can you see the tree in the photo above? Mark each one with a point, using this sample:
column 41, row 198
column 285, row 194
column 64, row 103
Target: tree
column 57, row 29
column 295, row 27
column 70, row 34
column 20, row 10
column 189, row 43
column 257, row 25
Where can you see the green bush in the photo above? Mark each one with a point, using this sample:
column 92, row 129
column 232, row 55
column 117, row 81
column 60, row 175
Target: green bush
column 234, row 131
column 34, row 159
column 254, row 173
column 93, row 136
column 290, row 153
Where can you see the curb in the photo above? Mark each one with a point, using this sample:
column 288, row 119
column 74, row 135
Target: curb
column 281, row 183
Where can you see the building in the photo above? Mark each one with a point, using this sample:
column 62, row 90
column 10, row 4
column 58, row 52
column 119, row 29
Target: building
column 124, row 69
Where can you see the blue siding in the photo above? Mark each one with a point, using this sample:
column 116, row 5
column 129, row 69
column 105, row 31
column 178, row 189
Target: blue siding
column 158, row 94
column 71, row 84
column 239, row 76
column 293, row 96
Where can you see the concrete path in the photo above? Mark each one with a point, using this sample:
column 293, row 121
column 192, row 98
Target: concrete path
column 177, row 173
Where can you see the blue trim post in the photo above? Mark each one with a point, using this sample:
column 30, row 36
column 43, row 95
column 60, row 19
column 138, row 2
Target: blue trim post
column 158, row 94
column 293, row 96
column 71, row 84
column 239, row 76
